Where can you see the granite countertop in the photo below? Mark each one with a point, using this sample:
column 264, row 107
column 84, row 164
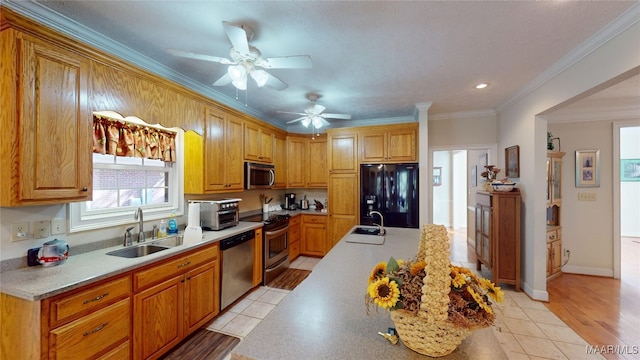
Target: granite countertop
column 325, row 317
column 37, row 283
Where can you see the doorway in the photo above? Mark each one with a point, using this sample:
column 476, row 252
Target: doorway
column 456, row 178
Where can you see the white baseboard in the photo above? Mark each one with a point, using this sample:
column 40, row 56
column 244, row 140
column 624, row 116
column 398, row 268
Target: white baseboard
column 583, row 270
column 540, row 295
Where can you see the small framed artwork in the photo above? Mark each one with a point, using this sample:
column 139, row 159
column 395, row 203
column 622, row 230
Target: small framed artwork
column 474, row 175
column 437, row 176
column 587, row 168
column 512, row 161
column 630, row 170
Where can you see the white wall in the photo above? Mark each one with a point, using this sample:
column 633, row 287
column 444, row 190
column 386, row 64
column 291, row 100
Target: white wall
column 587, row 226
column 630, row 191
column 519, row 123
column 442, row 195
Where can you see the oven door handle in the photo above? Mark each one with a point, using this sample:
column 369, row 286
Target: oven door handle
column 277, row 232
column 225, row 212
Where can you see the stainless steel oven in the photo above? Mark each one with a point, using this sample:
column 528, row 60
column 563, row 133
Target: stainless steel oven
column 275, row 244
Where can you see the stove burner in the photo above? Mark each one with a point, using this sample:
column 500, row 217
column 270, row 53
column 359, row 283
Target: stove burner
column 268, row 219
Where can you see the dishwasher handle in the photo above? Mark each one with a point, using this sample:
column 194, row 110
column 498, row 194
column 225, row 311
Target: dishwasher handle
column 236, row 240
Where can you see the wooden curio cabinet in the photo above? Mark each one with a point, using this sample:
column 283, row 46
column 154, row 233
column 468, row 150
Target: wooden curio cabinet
column 554, row 206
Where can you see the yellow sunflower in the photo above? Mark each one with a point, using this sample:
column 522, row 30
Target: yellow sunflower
column 384, row 293
column 492, row 290
column 457, row 279
column 378, row 271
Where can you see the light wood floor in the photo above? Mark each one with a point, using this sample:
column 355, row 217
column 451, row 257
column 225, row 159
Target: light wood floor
column 603, row 311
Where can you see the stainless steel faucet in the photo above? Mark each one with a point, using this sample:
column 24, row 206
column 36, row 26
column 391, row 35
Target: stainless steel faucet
column 128, row 237
column 138, row 216
column 381, row 226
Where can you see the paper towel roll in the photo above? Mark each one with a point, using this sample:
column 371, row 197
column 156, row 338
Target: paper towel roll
column 193, row 218
column 192, row 235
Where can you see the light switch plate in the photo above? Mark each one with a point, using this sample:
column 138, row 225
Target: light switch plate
column 41, row 229
column 587, row 196
column 20, row 231
column 58, row 226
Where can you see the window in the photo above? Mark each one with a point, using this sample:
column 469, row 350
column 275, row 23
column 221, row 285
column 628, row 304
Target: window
column 121, row 185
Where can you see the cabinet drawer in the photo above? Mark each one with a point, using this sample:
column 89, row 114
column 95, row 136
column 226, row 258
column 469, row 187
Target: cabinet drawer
column 122, row 352
column 295, row 220
column 294, row 233
column 552, row 235
column 294, row 250
column 92, row 334
column 173, row 267
column 88, row 300
column 315, row 219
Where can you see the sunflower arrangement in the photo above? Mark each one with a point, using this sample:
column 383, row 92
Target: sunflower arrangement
column 400, row 284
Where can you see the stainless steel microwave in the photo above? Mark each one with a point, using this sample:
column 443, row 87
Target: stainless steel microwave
column 259, row 176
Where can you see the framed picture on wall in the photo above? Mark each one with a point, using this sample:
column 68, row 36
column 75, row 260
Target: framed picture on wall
column 512, row 161
column 587, row 168
column 630, row 170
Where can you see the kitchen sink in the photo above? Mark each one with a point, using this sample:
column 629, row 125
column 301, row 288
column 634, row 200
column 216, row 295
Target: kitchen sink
column 138, row 251
column 170, row 241
column 366, row 230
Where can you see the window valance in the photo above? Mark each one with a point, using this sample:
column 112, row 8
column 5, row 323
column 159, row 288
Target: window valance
column 121, row 138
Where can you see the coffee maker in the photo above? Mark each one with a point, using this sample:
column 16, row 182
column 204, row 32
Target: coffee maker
column 290, row 201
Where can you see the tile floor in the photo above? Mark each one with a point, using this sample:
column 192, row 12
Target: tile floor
column 525, row 328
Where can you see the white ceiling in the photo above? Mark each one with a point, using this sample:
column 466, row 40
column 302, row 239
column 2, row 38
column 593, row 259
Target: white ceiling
column 373, row 60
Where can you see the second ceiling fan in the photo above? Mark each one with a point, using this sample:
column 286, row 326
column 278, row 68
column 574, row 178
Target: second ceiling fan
column 313, row 114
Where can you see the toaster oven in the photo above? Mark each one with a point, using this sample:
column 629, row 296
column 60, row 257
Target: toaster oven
column 218, row 214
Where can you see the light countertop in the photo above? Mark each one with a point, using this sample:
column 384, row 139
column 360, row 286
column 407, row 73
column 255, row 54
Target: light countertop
column 325, row 317
column 38, row 282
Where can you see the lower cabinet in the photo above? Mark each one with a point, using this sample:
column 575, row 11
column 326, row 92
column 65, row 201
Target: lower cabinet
column 554, row 252
column 183, row 301
column 314, row 235
column 295, row 232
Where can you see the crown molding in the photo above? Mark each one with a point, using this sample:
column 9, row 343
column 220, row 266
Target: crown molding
column 600, row 113
column 617, row 26
column 464, row 115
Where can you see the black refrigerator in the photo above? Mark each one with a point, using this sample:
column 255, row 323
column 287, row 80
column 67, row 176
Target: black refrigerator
column 391, row 189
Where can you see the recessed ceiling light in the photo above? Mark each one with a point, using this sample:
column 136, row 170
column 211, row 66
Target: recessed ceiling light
column 482, row 85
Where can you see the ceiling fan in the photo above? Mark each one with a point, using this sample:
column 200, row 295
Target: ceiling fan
column 313, row 114
column 245, row 60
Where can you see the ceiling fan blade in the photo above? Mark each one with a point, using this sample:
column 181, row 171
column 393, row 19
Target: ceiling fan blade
column 287, row 62
column 238, row 37
column 191, row 55
column 276, row 83
column 223, row 81
column 314, row 109
column 295, row 113
column 336, row 116
column 296, row 120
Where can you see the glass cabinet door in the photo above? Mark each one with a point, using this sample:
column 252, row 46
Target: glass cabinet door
column 556, row 182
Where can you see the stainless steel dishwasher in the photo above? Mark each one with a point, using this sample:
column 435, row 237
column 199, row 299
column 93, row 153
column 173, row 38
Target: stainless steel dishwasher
column 237, row 267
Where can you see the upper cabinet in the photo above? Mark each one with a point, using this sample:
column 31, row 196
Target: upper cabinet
column 316, row 163
column 214, row 164
column 46, row 142
column 342, row 151
column 280, row 161
column 296, row 150
column 306, row 162
column 258, row 143
column 393, row 143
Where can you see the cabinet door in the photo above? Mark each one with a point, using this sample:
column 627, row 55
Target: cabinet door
column 266, row 142
column 257, row 257
column 342, row 153
column 556, row 180
column 200, row 303
column 234, row 162
column 280, row 162
column 314, row 235
column 214, row 154
column 55, row 132
column 556, row 257
column 343, row 205
column 486, row 236
column 316, row 164
column 252, row 142
column 295, row 162
column 373, row 147
column 158, row 318
column 401, row 145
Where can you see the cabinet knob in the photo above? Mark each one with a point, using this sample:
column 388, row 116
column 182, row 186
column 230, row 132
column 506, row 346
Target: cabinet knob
column 85, row 189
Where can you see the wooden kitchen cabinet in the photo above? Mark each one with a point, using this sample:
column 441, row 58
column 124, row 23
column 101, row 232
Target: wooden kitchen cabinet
column 392, row 143
column 316, row 164
column 296, row 153
column 342, row 151
column 214, row 163
column 343, row 206
column 257, row 257
column 280, row 161
column 314, row 235
column 295, row 234
column 258, row 143
column 173, row 299
column 554, row 207
column 498, row 235
column 44, row 96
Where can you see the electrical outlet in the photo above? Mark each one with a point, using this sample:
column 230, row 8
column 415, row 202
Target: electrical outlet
column 58, row 226
column 19, row 231
column 41, row 229
column 567, row 252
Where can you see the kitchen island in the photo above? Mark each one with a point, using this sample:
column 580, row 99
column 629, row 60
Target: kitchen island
column 325, row 316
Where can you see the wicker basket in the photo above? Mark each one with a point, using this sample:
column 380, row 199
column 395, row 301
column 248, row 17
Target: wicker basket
column 429, row 332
